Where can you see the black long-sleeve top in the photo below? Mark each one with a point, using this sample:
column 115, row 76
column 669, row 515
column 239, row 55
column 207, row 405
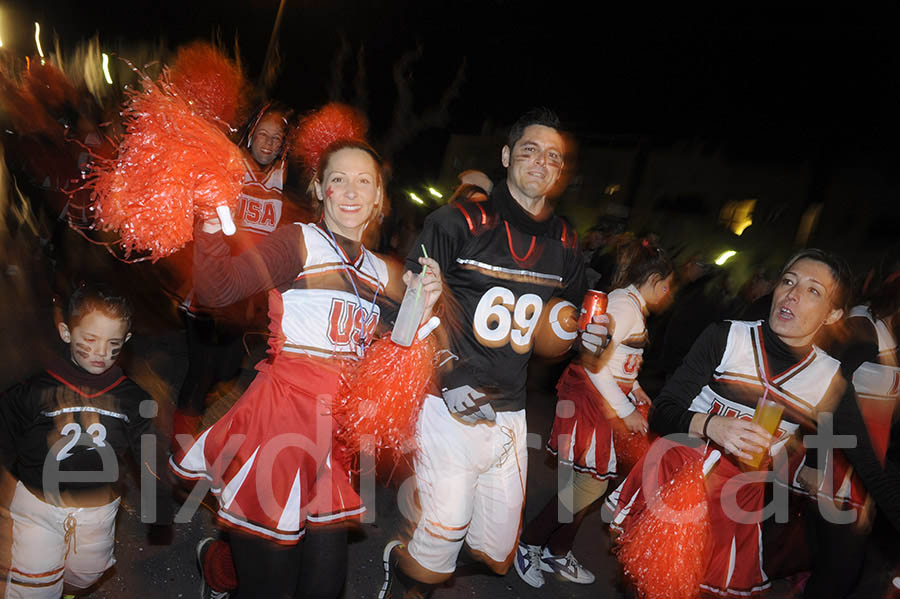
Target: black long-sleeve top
column 495, row 254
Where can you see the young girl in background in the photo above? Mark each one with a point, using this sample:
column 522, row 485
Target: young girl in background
column 605, row 394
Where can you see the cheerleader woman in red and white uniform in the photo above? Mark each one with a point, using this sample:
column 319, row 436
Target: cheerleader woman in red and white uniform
column 712, row 397
column 270, row 459
column 603, row 396
column 216, row 338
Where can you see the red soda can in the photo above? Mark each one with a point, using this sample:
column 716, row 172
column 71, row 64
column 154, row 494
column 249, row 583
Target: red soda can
column 594, row 303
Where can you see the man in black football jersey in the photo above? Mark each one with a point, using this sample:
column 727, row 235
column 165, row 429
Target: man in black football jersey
column 502, row 259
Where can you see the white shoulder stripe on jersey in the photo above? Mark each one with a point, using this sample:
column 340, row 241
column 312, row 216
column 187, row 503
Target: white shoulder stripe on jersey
column 86, row 409
column 509, row 271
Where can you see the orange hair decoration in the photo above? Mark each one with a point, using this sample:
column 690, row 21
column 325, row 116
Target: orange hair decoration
column 211, row 83
column 318, row 130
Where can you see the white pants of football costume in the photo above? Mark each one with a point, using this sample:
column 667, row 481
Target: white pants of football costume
column 471, row 484
column 55, row 544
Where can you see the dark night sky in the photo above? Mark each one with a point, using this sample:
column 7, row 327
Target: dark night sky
column 768, row 85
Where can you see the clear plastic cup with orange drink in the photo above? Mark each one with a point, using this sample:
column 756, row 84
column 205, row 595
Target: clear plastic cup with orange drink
column 767, row 415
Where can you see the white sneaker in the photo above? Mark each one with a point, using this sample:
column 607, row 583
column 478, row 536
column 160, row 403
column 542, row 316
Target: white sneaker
column 528, row 564
column 566, row 566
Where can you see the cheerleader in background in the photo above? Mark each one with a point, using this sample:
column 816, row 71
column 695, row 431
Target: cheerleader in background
column 869, row 358
column 605, row 395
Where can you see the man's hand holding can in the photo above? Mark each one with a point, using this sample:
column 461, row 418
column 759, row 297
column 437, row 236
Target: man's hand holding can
column 592, row 323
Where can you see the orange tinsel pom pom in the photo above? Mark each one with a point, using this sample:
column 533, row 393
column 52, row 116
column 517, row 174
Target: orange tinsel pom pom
column 211, row 82
column 171, row 166
column 664, row 550
column 379, row 401
column 317, row 131
column 630, row 447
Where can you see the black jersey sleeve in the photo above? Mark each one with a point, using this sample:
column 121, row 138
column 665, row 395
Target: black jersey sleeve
column 670, row 412
column 221, row 280
column 443, row 236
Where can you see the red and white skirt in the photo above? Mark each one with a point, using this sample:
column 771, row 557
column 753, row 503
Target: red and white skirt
column 735, row 563
column 272, row 459
column 586, row 432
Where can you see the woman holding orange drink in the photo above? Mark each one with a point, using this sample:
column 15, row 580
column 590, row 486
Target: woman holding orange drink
column 713, row 402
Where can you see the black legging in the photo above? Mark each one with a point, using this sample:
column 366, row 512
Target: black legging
column 315, row 568
column 838, row 554
column 215, row 351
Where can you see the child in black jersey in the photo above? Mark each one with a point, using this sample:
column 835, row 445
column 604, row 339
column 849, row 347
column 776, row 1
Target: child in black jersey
column 62, row 434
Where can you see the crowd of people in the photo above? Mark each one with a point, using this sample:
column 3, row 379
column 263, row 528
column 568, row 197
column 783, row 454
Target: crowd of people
column 492, row 260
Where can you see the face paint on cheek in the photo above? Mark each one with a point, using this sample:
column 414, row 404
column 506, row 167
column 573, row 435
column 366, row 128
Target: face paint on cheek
column 329, row 192
column 114, row 352
column 82, row 351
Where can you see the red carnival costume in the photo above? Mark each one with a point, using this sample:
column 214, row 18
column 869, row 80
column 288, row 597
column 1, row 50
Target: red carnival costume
column 585, row 438
column 270, row 458
column 729, row 368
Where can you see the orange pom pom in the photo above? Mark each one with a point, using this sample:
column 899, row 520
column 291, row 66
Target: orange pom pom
column 211, row 83
column 50, row 86
column 630, row 447
column 664, row 550
column 317, row 131
column 171, row 166
column 379, row 401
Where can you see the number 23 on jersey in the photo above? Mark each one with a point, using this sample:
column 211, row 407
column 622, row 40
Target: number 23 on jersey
column 500, row 318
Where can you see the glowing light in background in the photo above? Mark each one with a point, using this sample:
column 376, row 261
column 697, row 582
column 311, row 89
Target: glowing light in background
column 416, row 199
column 37, row 40
column 724, row 256
column 435, row 192
column 106, row 68
column 737, row 215
column 739, row 228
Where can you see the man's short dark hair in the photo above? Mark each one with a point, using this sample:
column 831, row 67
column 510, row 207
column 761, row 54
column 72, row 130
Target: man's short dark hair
column 536, row 116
